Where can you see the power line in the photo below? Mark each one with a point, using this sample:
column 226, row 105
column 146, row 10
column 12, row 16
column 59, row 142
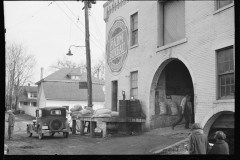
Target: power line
column 81, row 23
column 76, row 25
column 31, row 15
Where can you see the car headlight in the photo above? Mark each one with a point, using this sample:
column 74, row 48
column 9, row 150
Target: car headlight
column 44, row 127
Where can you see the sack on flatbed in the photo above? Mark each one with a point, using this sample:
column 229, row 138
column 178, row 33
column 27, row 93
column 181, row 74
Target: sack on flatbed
column 89, row 108
column 86, row 111
column 114, row 114
column 102, row 111
column 76, row 108
column 103, row 115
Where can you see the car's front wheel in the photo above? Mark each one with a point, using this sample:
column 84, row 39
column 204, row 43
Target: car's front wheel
column 65, row 134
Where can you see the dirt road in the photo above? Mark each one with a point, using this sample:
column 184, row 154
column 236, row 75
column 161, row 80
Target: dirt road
column 79, row 145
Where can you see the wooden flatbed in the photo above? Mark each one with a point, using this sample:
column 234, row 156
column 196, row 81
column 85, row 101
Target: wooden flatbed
column 103, row 121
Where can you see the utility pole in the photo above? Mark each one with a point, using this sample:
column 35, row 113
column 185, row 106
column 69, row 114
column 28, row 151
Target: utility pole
column 88, row 56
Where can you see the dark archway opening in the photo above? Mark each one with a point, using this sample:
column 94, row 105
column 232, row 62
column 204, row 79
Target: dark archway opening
column 173, row 84
column 224, row 123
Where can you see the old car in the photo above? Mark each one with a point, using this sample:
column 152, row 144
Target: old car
column 49, row 120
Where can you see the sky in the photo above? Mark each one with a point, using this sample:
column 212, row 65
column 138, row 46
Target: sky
column 49, row 28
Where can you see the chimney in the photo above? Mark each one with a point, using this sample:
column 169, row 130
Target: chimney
column 41, row 76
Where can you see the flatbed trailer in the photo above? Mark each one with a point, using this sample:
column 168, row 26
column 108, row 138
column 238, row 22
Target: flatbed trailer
column 137, row 124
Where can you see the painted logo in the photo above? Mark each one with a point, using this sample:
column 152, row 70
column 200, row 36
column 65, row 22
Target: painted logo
column 117, row 46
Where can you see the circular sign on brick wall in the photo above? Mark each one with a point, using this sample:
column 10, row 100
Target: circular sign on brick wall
column 117, row 46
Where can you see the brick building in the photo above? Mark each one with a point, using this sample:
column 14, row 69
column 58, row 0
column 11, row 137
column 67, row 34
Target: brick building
column 161, row 50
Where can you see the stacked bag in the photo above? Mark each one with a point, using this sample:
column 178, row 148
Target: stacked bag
column 173, row 108
column 170, row 108
column 75, row 111
column 87, row 111
column 102, row 112
column 163, row 108
column 105, row 112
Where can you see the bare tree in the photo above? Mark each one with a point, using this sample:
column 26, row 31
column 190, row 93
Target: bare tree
column 98, row 68
column 65, row 63
column 20, row 65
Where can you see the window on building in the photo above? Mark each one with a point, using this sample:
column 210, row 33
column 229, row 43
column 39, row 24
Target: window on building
column 171, row 21
column 34, row 104
column 33, row 95
column 25, row 103
column 134, row 29
column 226, row 78
column 222, row 3
column 75, row 77
column 134, row 84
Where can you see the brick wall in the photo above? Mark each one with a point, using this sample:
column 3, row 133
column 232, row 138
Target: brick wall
column 204, row 29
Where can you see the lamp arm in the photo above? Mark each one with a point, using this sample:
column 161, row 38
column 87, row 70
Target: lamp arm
column 75, row 46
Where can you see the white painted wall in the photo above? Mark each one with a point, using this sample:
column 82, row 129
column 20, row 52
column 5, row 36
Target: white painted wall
column 30, row 110
column 205, row 29
column 73, row 103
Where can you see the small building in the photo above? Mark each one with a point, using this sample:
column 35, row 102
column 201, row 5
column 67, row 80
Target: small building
column 28, row 99
column 158, row 51
column 61, row 88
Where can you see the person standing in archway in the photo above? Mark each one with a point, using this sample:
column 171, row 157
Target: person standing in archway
column 185, row 111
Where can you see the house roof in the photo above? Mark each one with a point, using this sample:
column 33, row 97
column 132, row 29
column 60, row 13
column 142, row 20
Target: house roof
column 63, row 73
column 59, row 86
column 23, row 95
column 32, row 89
column 60, row 90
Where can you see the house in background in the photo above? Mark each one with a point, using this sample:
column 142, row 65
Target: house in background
column 28, row 99
column 62, row 89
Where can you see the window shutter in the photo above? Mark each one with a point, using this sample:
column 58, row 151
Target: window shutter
column 174, row 21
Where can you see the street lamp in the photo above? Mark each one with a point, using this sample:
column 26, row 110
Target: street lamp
column 89, row 78
column 69, row 51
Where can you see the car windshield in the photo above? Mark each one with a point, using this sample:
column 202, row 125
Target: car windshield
column 56, row 112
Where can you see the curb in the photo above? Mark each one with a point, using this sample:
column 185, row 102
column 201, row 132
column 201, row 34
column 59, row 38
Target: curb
column 171, row 146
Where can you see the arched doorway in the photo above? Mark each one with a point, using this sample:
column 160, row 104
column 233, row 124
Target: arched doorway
column 171, row 82
column 221, row 121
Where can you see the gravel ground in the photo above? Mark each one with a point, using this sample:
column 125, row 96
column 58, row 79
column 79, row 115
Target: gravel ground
column 140, row 143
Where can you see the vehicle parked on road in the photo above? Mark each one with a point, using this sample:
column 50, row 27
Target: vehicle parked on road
column 49, row 120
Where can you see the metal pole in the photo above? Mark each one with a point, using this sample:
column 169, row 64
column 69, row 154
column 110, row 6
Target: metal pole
column 88, row 56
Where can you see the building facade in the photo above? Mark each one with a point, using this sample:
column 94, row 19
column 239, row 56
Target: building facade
column 62, row 89
column 162, row 50
column 28, row 99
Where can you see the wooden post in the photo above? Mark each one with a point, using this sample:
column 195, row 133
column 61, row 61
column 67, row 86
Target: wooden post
column 82, row 128
column 88, row 56
column 92, row 129
column 74, row 126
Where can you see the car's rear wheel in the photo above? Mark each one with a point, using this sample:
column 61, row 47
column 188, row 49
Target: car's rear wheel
column 52, row 134
column 40, row 134
column 28, row 132
column 56, row 125
column 65, row 134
